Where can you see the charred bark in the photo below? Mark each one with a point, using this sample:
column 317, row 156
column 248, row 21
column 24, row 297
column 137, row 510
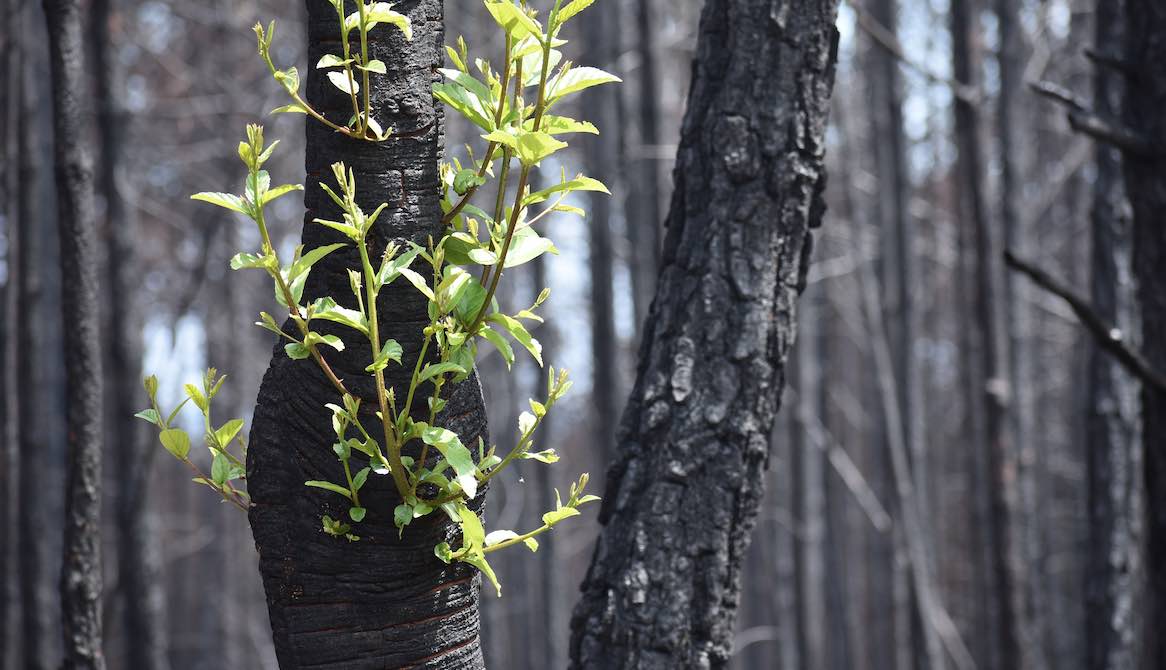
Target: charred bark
column 687, row 481
column 383, row 601
column 81, row 570
column 1145, row 178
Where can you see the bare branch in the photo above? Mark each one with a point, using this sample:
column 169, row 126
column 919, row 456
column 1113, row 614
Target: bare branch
column 1084, row 120
column 1108, row 338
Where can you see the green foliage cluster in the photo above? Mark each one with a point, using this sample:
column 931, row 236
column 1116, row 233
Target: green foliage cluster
column 458, row 275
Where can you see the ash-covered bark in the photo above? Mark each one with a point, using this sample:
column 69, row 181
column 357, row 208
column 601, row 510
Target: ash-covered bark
column 1145, row 175
column 81, row 569
column 382, row 602
column 684, row 489
column 1116, row 500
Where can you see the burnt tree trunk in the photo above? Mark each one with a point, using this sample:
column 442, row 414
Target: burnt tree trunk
column 684, row 489
column 1113, row 632
column 1145, row 175
column 383, row 601
column 81, row 570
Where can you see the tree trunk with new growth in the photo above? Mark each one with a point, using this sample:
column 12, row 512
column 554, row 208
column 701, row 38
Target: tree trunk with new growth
column 687, row 481
column 381, row 602
column 81, row 570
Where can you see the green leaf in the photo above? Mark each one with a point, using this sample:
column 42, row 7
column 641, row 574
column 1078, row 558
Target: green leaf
column 435, row 369
column 357, row 513
column 465, row 180
column 331, row 60
column 327, row 309
column 390, row 351
column 296, row 274
column 226, row 200
column 473, row 534
column 552, row 518
column 150, row 415
column 360, row 477
column 297, row 351
column 329, row 486
column 527, row 245
column 456, row 454
column 500, row 343
column 374, row 65
column 533, row 146
column 341, row 81
column 514, row 20
column 519, row 333
column 402, row 516
column 531, row 544
column 473, row 85
column 243, row 260
column 443, row 552
column 579, row 183
column 289, row 78
column 176, row 442
column 417, row 281
column 268, row 322
column 391, row 269
column 465, row 103
column 562, row 125
column 220, row 467
column 227, row 432
column 566, row 12
column 196, row 397
column 294, row 108
column 380, row 12
column 547, row 456
column 576, row 79
column 314, row 339
column 496, row 536
column 280, row 191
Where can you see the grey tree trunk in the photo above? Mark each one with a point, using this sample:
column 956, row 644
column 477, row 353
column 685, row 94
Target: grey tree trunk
column 643, row 203
column 992, row 380
column 1114, row 574
column 1145, row 178
column 687, row 481
column 81, row 571
column 137, row 564
column 383, row 601
column 600, row 157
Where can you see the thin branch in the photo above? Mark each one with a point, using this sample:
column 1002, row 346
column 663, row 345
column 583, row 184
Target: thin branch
column 1109, row 59
column 1108, row 338
column 1088, row 122
column 885, row 37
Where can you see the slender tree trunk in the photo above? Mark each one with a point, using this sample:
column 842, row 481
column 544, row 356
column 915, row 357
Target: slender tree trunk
column 34, row 560
column 383, row 601
column 600, row 157
column 137, row 567
column 81, row 571
column 1113, row 632
column 996, row 444
column 643, row 203
column 1145, row 176
column 684, row 490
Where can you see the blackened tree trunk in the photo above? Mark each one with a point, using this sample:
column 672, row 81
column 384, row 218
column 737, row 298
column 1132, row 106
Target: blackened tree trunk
column 686, row 484
column 994, row 443
column 1113, row 587
column 137, row 561
column 1145, row 176
column 81, row 570
column 383, row 601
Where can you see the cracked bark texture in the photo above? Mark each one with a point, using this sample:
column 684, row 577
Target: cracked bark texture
column 382, row 602
column 687, row 480
column 1145, row 176
column 81, row 569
